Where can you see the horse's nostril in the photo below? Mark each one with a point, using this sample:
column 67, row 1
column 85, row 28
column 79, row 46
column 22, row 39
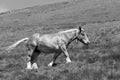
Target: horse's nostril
column 88, row 42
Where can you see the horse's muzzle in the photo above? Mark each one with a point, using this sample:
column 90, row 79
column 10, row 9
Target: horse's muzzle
column 87, row 45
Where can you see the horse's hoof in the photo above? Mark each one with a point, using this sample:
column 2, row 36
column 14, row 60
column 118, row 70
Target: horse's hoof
column 68, row 61
column 50, row 64
column 26, row 69
column 34, row 66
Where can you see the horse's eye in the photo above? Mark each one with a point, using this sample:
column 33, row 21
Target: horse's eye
column 82, row 33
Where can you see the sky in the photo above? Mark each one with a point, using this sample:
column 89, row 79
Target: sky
column 6, row 5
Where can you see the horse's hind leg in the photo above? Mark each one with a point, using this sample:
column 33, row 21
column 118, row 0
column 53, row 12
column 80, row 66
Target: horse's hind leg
column 54, row 59
column 29, row 65
column 34, row 59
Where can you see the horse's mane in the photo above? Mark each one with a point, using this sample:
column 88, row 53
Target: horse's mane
column 65, row 31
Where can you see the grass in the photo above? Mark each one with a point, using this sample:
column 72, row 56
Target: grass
column 100, row 61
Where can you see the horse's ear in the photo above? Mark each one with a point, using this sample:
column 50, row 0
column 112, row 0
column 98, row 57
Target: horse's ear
column 80, row 29
column 80, row 26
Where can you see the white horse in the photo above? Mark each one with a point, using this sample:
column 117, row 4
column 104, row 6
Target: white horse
column 51, row 43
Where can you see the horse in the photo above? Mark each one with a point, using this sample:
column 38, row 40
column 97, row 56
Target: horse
column 56, row 43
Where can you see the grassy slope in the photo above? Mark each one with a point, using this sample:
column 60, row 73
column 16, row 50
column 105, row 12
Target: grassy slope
column 101, row 61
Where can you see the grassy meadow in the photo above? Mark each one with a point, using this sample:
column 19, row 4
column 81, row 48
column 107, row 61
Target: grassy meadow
column 101, row 61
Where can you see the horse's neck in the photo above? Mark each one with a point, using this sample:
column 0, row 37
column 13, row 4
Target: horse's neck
column 69, row 36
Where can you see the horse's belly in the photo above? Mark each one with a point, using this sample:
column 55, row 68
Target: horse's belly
column 47, row 49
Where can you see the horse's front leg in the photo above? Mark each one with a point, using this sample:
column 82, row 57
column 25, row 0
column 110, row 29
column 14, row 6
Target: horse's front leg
column 64, row 50
column 54, row 59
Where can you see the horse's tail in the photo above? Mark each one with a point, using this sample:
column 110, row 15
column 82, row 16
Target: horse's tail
column 9, row 48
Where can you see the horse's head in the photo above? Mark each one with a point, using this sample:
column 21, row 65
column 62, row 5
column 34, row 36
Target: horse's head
column 82, row 36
